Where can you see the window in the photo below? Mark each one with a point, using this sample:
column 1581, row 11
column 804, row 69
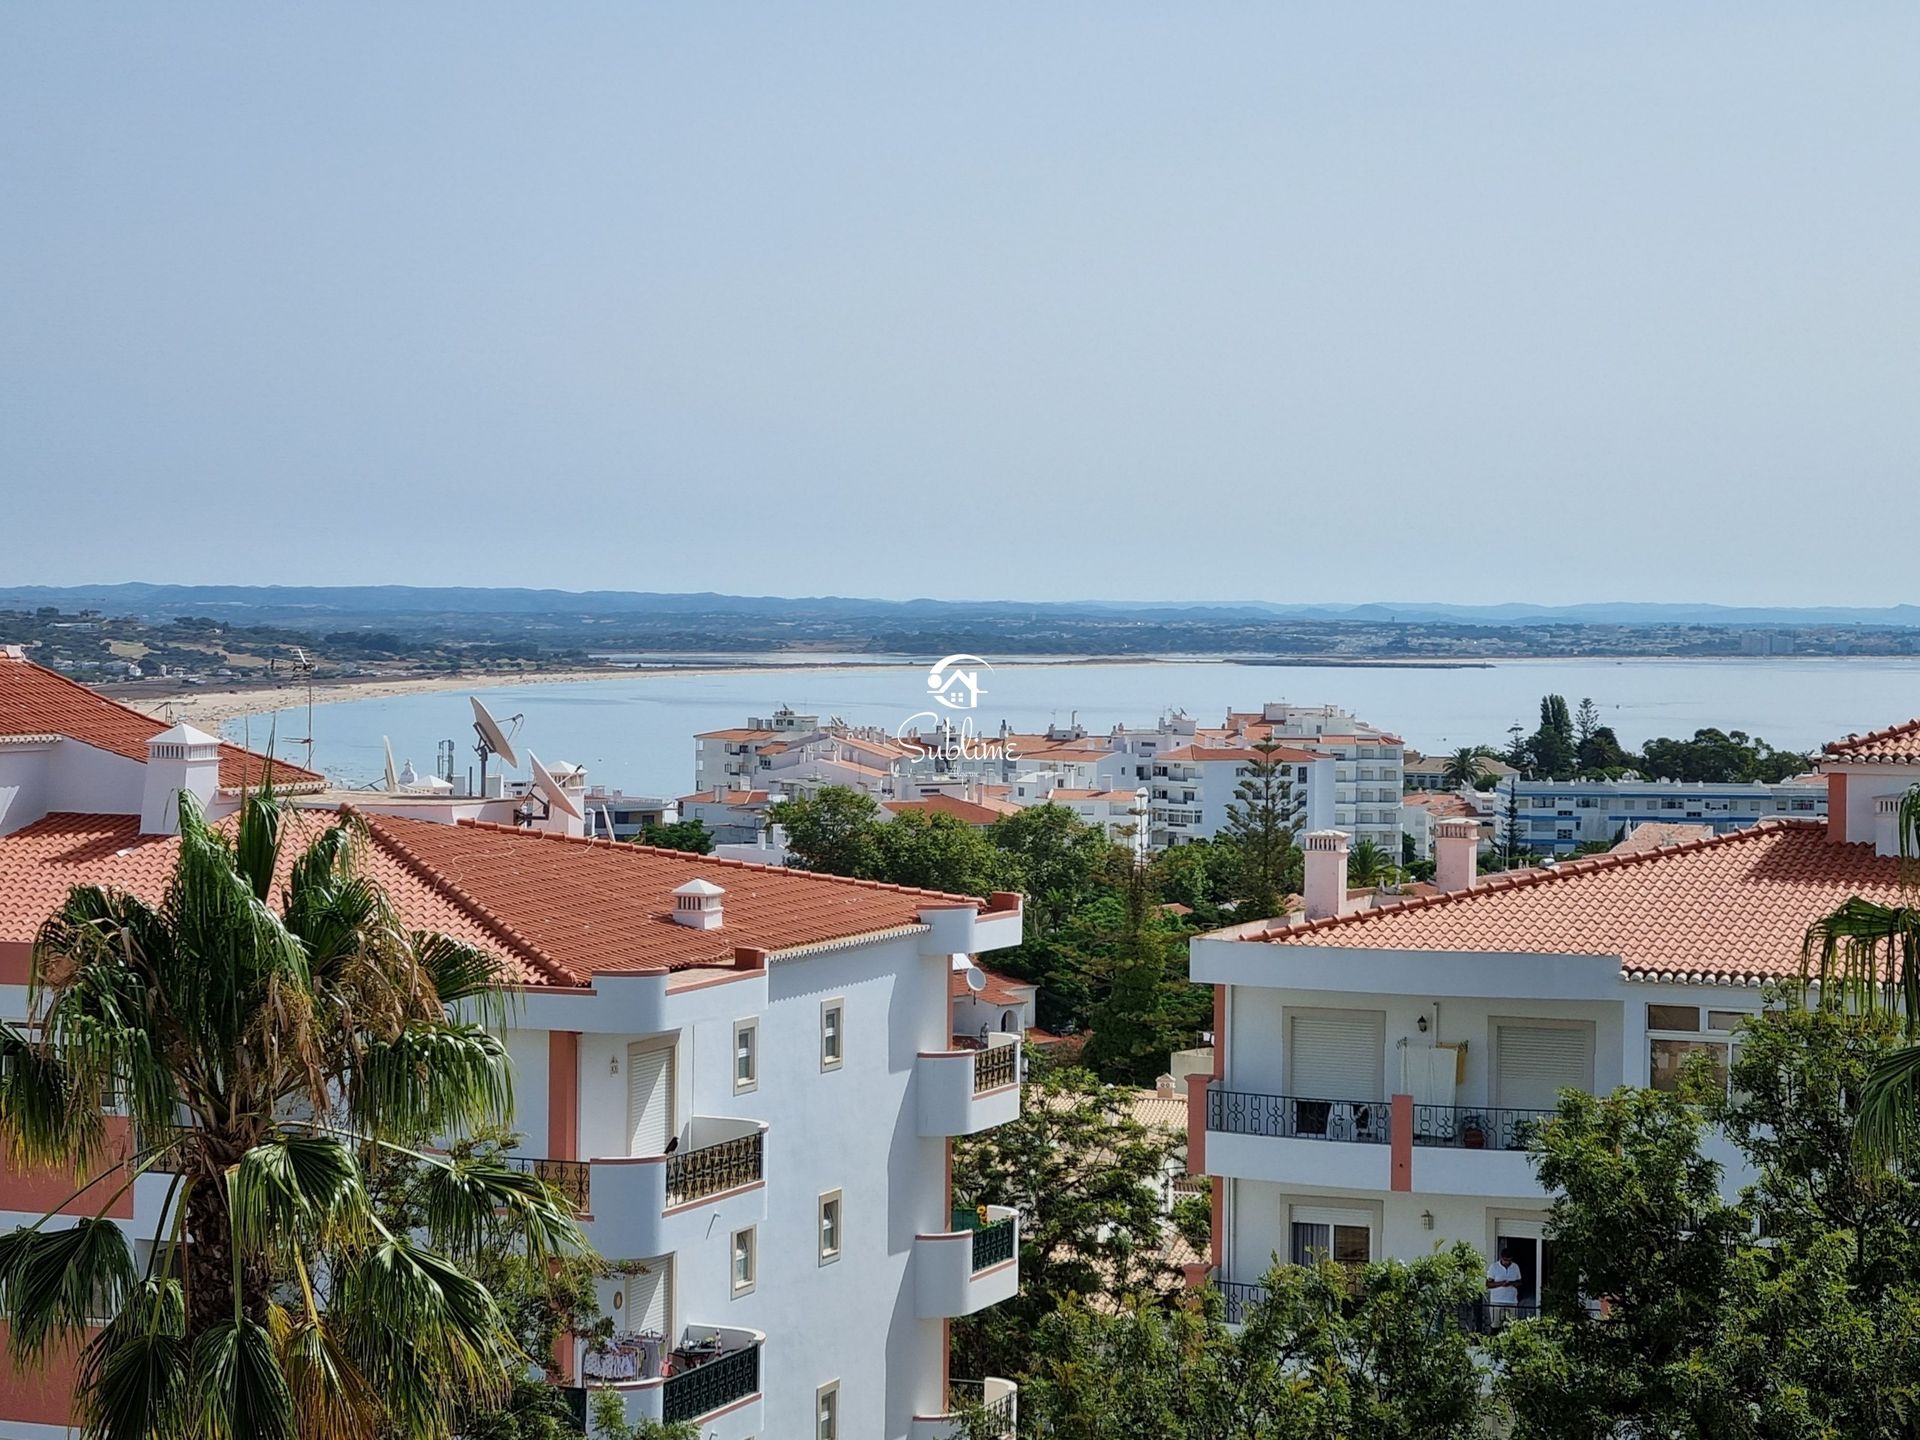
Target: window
column 743, row 1260
column 746, row 1055
column 1676, row 1033
column 830, row 1226
column 826, row 1411
column 833, row 1015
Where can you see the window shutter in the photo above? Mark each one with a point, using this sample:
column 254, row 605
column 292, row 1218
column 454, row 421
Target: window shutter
column 1533, row 1063
column 649, row 1098
column 1337, row 1057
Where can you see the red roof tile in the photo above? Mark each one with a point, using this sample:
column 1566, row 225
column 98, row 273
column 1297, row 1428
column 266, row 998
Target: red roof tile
column 556, row 909
column 37, row 701
column 972, row 812
column 1001, row 989
column 1895, row 745
column 1731, row 909
column 1201, row 755
column 1652, row 834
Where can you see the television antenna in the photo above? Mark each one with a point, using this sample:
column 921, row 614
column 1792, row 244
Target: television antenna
column 492, row 739
column 302, row 667
column 551, row 793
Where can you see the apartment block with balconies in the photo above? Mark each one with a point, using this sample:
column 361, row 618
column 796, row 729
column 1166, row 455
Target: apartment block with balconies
column 746, row 1080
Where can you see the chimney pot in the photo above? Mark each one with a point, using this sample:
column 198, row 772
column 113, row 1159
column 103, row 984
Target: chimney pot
column 1456, row 854
column 698, row 905
column 1326, row 867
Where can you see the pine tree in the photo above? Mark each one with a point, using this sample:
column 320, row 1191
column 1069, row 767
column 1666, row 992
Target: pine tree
column 1262, row 820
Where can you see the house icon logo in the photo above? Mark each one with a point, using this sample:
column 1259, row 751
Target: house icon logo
column 955, row 682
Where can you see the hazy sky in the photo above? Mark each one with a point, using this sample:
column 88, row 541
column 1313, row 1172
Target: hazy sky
column 1330, row 302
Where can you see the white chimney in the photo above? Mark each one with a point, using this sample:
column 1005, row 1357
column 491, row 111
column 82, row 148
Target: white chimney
column 1326, row 864
column 181, row 758
column 1886, row 825
column 1456, row 854
column 698, row 904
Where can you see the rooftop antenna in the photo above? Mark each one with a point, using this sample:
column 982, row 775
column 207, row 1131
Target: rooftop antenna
column 303, row 667
column 492, row 739
column 551, row 793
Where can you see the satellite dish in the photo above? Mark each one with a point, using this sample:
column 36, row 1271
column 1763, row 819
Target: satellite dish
column 976, row 979
column 393, row 781
column 492, row 736
column 551, row 788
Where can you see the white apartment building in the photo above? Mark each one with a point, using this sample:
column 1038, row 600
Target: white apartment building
column 1120, row 814
column 1375, row 1070
column 1558, row 816
column 747, row 1079
column 724, row 759
column 1193, row 788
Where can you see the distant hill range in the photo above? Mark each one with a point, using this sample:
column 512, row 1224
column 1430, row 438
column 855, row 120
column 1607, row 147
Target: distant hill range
column 353, row 604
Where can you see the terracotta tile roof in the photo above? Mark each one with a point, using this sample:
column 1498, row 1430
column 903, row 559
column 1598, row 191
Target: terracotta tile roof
column 1117, row 797
column 555, row 909
column 1895, row 745
column 737, row 798
column 1652, row 834
column 972, row 812
column 37, row 701
column 738, row 734
column 1732, row 909
column 1441, row 804
column 1001, row 989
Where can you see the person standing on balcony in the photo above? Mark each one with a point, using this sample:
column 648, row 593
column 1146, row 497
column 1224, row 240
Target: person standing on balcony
column 1503, row 1284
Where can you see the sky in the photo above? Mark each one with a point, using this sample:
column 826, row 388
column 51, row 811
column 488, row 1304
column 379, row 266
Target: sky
column 1292, row 302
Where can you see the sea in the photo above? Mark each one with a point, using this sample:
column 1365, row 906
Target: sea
column 635, row 733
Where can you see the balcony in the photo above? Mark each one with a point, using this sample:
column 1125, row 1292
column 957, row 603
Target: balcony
column 640, row 1205
column 970, row 1267
column 964, row 1091
column 1463, row 1127
column 1298, row 1138
column 712, row 1376
column 996, row 1399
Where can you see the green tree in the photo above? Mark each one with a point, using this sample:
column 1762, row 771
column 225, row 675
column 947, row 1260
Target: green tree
column 268, row 1058
column 1514, row 852
column 1202, row 875
column 1060, row 857
column 930, row 850
column 1368, row 864
column 832, row 832
column 691, row 836
column 1602, row 754
column 1551, row 750
column 1586, row 721
column 1467, row 765
column 1262, row 820
column 609, row 1422
column 1147, row 1008
column 1085, row 1177
column 1720, row 757
column 1315, row 1360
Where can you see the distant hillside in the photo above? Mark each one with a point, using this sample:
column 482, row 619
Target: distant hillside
column 324, row 605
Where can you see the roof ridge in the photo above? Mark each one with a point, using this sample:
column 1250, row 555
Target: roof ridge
column 1501, row 881
column 1849, row 741
column 688, row 855
column 460, row 898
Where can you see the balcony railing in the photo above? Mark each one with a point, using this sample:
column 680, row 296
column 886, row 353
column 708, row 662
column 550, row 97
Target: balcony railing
column 727, row 1165
column 689, row 1394
column 1240, row 1299
column 1483, row 1317
column 992, row 1245
column 1238, row 1112
column 1463, row 1127
column 971, row 1397
column 995, row 1066
column 572, row 1178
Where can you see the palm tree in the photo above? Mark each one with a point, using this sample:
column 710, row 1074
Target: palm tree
column 1467, row 765
column 1867, row 955
column 270, row 1061
column 1368, row 864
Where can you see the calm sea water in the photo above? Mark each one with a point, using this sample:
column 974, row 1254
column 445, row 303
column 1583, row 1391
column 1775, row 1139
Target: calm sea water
column 636, row 733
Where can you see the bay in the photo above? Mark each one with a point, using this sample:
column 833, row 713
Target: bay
column 636, row 732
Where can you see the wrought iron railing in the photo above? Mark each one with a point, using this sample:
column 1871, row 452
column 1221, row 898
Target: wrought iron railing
column 995, row 1066
column 1466, row 1128
column 993, row 1244
column 573, row 1179
column 1296, row 1117
column 1484, row 1317
column 969, row 1397
column 690, row 1394
column 727, row 1165
column 1240, row 1299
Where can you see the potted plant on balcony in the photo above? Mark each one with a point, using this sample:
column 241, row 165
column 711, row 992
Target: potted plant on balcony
column 1473, row 1132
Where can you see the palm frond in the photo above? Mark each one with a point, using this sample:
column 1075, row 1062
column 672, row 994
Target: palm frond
column 256, row 841
column 331, row 1398
column 295, row 1191
column 55, row 1283
column 469, row 1202
column 433, row 1079
column 1889, row 1117
column 1867, row 955
column 236, row 1388
column 40, row 1121
column 132, row 1379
